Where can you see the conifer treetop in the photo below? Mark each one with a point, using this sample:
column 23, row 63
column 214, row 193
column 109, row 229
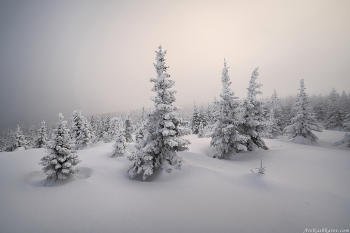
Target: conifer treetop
column 164, row 97
column 253, row 86
column 225, row 79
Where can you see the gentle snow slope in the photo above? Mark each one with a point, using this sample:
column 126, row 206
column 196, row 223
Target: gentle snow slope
column 304, row 187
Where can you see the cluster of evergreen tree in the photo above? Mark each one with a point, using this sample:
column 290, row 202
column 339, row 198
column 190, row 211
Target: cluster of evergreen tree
column 200, row 118
column 83, row 132
column 234, row 125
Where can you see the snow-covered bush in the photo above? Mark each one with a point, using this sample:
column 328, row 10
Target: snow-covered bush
column 226, row 136
column 304, row 122
column 254, row 122
column 61, row 160
column 163, row 133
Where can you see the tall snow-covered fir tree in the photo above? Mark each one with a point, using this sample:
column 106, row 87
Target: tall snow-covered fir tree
column 61, row 160
column 195, row 120
column 163, row 136
column 120, row 140
column 254, row 121
column 226, row 136
column 129, row 127
column 41, row 139
column 304, row 122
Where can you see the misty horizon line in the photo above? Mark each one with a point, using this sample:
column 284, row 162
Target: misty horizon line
column 186, row 108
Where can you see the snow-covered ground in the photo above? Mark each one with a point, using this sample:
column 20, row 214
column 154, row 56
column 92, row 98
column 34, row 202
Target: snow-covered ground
column 304, row 187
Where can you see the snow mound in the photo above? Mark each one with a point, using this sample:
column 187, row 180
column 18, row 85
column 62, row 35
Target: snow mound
column 38, row 178
column 302, row 140
column 19, row 148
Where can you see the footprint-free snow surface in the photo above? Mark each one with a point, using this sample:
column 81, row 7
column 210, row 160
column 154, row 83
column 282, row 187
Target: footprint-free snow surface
column 305, row 186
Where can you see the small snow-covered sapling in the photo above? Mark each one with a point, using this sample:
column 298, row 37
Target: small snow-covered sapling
column 261, row 170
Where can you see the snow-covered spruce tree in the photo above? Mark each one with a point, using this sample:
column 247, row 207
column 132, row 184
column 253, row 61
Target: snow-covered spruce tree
column 346, row 138
column 31, row 136
column 208, row 113
column 106, row 123
column 212, row 113
column 99, row 129
column 84, row 138
column 41, row 139
column 80, row 130
column 254, row 121
column 200, row 131
column 91, row 131
column 20, row 139
column 113, row 128
column 203, row 118
column 345, row 104
column 320, row 108
column 10, row 141
column 272, row 129
column 335, row 115
column 287, row 112
column 140, row 131
column 304, row 122
column 226, row 136
column 129, row 127
column 120, row 140
column 77, row 122
column 105, row 129
column 195, row 119
column 61, row 160
column 163, row 134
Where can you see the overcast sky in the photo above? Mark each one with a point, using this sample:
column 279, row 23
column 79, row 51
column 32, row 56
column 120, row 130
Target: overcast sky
column 96, row 56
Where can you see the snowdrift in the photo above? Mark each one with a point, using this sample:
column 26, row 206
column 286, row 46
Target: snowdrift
column 305, row 186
